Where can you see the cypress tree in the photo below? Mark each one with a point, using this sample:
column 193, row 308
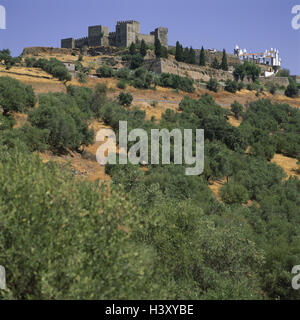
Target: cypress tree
column 157, row 45
column 143, row 49
column 186, row 55
column 132, row 49
column 224, row 65
column 202, row 57
column 179, row 52
column 192, row 56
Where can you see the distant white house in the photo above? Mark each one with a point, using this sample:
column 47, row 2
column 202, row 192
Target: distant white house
column 269, row 57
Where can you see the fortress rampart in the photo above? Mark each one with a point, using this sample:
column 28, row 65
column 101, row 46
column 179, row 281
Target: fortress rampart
column 127, row 32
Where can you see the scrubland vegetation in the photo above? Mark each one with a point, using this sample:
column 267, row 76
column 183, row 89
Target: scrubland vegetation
column 154, row 234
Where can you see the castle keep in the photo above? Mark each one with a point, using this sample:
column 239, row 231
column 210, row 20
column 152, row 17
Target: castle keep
column 126, row 33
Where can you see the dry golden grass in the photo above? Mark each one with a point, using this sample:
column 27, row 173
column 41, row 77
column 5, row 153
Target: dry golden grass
column 215, row 188
column 20, row 119
column 85, row 164
column 234, row 122
column 289, row 165
column 23, row 71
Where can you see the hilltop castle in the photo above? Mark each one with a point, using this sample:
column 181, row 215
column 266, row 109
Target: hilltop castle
column 126, row 33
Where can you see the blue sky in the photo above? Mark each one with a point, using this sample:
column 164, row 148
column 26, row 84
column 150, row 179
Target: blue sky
column 256, row 25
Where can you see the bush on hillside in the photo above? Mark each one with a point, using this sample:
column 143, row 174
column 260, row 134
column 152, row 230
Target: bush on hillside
column 212, row 85
column 176, row 82
column 231, row 86
column 105, row 72
column 15, row 96
column 125, row 99
column 67, row 125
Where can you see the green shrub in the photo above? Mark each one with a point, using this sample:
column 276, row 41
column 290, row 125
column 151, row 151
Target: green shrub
column 292, row 90
column 15, row 96
column 9, row 61
column 142, row 79
column 99, row 99
column 6, row 122
column 212, row 85
column 83, row 97
column 236, row 108
column 67, row 125
column 67, row 225
column 241, row 86
column 250, row 86
column 121, row 84
column 125, row 99
column 176, row 82
column 105, row 72
column 136, row 61
column 52, row 66
column 82, row 78
column 123, row 73
column 233, row 192
column 231, row 86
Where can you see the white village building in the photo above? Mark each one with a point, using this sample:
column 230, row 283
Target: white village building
column 269, row 57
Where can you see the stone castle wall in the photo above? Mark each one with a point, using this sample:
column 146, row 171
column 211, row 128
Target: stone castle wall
column 182, row 69
column 199, row 73
column 281, row 81
column 127, row 32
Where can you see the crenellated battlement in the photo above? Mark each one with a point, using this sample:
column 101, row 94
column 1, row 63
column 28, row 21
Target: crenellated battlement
column 127, row 32
column 127, row 22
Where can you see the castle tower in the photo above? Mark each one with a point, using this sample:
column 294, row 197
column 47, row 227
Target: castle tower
column 68, row 43
column 162, row 34
column 126, row 33
column 98, row 36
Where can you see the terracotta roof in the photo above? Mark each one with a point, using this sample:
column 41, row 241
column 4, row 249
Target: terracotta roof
column 253, row 54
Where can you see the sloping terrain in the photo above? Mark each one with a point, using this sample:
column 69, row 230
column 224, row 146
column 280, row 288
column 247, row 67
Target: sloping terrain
column 153, row 102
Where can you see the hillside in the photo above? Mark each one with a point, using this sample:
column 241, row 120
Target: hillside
column 164, row 98
column 144, row 231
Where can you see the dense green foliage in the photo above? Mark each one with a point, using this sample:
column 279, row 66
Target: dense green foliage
column 202, row 57
column 272, row 128
column 60, row 114
column 7, row 59
column 236, row 108
column 15, row 96
column 143, row 48
column 155, row 234
column 247, row 69
column 105, row 71
column 292, row 90
column 212, row 85
column 125, row 99
column 187, row 55
column 52, row 66
column 142, row 79
column 231, row 86
column 224, row 64
column 176, row 82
